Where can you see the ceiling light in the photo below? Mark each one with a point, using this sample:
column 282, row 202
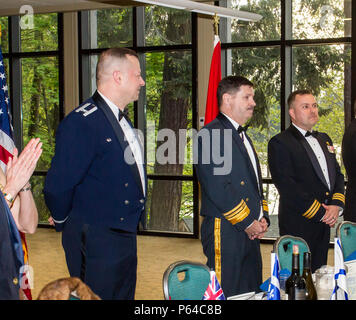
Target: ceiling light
column 164, row 4
column 205, row 9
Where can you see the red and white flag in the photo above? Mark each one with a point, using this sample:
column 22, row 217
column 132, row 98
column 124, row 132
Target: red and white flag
column 212, row 109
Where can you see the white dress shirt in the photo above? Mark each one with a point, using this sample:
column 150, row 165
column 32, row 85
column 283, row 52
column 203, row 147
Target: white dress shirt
column 318, row 151
column 132, row 139
column 314, row 144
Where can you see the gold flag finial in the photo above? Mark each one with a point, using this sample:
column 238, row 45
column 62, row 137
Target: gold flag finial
column 0, row 30
column 216, row 24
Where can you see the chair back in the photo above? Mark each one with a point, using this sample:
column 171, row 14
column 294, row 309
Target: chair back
column 346, row 232
column 283, row 246
column 185, row 280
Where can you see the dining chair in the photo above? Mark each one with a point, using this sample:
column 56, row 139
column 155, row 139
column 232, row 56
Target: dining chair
column 283, row 246
column 185, row 280
column 346, row 232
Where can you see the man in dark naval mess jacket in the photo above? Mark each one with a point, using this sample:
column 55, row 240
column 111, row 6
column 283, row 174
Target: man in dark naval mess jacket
column 232, row 203
column 349, row 158
column 96, row 186
column 307, row 175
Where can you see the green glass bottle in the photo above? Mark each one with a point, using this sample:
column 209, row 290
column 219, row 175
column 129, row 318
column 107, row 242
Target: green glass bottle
column 307, row 276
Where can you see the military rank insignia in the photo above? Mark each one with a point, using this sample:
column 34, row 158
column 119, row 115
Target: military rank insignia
column 330, row 148
column 84, row 109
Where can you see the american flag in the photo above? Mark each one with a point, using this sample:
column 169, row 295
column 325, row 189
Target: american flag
column 214, row 291
column 6, row 149
column 6, row 141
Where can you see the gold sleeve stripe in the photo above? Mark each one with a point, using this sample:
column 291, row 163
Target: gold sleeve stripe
column 234, row 209
column 312, row 210
column 339, row 196
column 238, row 208
column 238, row 214
column 315, row 211
column 265, row 205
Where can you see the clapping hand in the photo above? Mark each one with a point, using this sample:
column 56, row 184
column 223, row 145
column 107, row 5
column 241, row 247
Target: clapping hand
column 20, row 168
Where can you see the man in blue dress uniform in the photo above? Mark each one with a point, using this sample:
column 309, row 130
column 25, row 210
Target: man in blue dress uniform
column 232, row 203
column 96, row 186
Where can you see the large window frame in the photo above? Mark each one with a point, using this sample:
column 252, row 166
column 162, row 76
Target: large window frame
column 286, row 45
column 139, row 106
column 14, row 56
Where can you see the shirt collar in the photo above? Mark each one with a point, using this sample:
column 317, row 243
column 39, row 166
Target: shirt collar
column 114, row 108
column 302, row 131
column 234, row 123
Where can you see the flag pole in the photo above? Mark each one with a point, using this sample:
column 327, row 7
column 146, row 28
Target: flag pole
column 216, row 24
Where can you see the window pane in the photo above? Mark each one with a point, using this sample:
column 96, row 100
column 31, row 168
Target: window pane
column 4, row 38
column 89, row 68
column 262, row 67
column 268, row 28
column 272, row 197
column 165, row 26
column 321, row 19
column 42, row 36
column 170, row 206
column 40, row 107
column 37, row 184
column 109, row 28
column 169, row 112
column 326, row 71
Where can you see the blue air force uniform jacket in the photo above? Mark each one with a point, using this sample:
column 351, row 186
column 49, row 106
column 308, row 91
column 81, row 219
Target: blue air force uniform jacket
column 89, row 179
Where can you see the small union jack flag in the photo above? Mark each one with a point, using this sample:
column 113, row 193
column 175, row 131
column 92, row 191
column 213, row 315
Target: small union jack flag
column 214, row 291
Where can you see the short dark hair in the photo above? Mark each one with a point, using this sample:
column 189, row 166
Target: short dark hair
column 293, row 95
column 231, row 85
column 119, row 53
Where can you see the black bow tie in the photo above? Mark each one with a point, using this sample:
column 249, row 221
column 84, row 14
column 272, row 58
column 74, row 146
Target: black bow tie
column 124, row 113
column 241, row 128
column 311, row 133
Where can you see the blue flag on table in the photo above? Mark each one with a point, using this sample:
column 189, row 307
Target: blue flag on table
column 274, row 292
column 340, row 288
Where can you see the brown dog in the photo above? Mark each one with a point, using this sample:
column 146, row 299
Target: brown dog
column 63, row 289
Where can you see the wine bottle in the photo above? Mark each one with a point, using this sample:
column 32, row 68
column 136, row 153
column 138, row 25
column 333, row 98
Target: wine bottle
column 295, row 284
column 307, row 276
